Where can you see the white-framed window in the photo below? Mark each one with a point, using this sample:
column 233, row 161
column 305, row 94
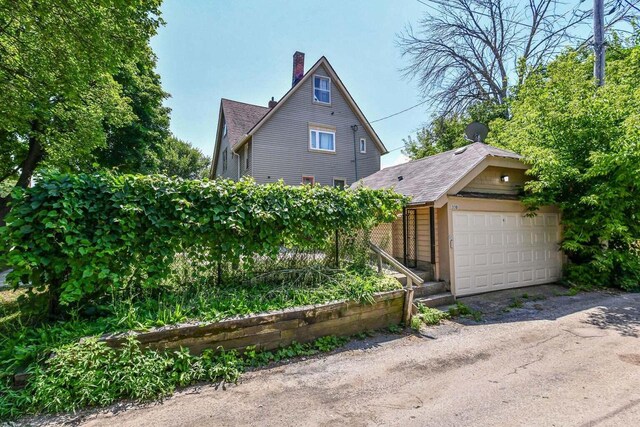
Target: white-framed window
column 224, row 128
column 321, row 89
column 224, row 160
column 322, row 140
column 246, row 156
column 340, row 183
column 363, row 145
column 307, row 180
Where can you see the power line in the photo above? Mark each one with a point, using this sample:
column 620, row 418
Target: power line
column 400, row 112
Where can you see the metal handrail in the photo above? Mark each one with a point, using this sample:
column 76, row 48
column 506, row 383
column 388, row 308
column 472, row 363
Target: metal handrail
column 411, row 276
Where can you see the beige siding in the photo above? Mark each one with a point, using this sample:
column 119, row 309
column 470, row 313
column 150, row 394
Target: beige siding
column 488, row 181
column 398, row 245
column 423, row 235
column 281, row 145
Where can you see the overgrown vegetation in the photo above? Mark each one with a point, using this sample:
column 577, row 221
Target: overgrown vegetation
column 91, row 374
column 583, row 144
column 80, row 238
column 108, row 253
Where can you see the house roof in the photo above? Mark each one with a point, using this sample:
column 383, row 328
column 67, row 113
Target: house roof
column 240, row 117
column 426, row 180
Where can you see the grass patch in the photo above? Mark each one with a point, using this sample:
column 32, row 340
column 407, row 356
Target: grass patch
column 428, row 316
column 462, row 310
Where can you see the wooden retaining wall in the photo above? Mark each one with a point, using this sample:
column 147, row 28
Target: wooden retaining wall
column 276, row 329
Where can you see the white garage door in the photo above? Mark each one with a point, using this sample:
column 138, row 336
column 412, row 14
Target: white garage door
column 497, row 250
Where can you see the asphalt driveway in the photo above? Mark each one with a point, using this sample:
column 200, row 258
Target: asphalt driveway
column 536, row 358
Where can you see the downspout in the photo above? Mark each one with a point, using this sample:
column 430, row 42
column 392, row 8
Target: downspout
column 354, row 128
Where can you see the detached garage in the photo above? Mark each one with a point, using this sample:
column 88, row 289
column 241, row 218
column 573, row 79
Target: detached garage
column 465, row 224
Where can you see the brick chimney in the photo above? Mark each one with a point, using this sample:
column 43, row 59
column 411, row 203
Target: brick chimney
column 272, row 103
column 298, row 67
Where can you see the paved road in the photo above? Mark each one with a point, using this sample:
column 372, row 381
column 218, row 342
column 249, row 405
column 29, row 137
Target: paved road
column 564, row 361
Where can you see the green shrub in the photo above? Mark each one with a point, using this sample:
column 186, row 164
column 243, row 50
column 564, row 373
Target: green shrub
column 81, row 236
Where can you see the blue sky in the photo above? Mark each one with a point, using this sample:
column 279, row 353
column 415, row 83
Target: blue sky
column 242, row 50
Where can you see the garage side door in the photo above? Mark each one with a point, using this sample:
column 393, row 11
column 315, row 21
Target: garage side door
column 496, row 250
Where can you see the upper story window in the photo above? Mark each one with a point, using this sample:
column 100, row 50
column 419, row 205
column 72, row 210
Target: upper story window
column 224, row 128
column 322, row 89
column 246, row 156
column 322, row 140
column 224, row 160
column 363, row 145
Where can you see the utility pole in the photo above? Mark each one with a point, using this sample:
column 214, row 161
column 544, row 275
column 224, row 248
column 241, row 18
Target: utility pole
column 598, row 41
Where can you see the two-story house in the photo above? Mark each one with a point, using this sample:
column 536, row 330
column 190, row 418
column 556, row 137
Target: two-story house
column 315, row 134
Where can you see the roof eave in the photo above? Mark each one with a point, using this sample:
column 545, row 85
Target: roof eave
column 216, row 148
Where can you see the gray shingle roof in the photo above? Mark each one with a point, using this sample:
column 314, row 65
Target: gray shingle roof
column 240, row 118
column 426, row 180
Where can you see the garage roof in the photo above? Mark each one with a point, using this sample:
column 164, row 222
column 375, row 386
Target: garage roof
column 426, row 180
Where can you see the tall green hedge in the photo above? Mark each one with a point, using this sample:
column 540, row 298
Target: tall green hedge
column 78, row 236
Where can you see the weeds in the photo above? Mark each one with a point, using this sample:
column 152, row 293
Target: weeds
column 394, row 329
column 90, row 374
column 462, row 310
column 516, row 303
column 428, row 316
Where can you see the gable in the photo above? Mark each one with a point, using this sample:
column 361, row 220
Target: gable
column 321, row 67
column 491, row 181
column 239, row 118
column 429, row 180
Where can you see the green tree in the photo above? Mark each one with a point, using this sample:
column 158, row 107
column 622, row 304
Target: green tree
column 137, row 146
column 57, row 90
column 446, row 132
column 183, row 160
column 583, row 144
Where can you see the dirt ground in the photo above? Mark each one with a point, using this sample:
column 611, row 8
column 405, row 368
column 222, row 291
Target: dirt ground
column 535, row 358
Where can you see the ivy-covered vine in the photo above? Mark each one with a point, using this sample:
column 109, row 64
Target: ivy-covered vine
column 79, row 236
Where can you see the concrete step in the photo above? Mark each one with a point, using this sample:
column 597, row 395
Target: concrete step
column 429, row 288
column 436, row 300
column 424, row 275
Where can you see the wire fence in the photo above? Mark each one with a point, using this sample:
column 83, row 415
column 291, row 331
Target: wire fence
column 339, row 252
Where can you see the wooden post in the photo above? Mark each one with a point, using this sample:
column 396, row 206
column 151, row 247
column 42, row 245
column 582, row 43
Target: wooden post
column 408, row 302
column 379, row 264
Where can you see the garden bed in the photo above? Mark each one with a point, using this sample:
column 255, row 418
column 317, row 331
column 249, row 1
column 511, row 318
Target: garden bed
column 274, row 329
